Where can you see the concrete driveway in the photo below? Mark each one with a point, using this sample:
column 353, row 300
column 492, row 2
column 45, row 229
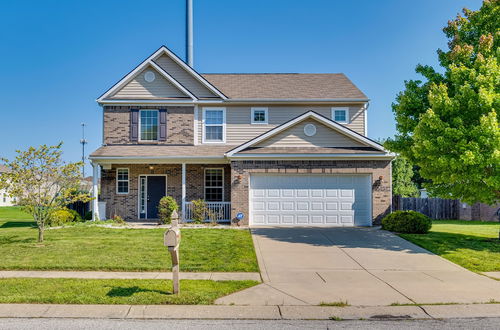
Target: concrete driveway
column 363, row 266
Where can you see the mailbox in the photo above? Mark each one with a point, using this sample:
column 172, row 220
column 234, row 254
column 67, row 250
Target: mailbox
column 172, row 238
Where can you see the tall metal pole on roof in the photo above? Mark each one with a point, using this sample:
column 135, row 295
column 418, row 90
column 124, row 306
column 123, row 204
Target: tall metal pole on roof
column 83, row 143
column 189, row 32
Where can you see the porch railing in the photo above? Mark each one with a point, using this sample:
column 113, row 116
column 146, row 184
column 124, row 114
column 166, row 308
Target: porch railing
column 220, row 211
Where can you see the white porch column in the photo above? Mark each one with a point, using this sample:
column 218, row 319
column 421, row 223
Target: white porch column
column 95, row 192
column 183, row 192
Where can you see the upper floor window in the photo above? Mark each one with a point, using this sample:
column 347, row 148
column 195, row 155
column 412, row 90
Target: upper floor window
column 148, row 125
column 340, row 115
column 122, row 180
column 259, row 115
column 214, row 125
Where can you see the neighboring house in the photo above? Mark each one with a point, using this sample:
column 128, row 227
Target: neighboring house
column 5, row 199
column 263, row 149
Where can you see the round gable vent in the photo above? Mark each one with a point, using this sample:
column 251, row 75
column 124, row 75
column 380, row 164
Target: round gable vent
column 149, row 76
column 310, row 130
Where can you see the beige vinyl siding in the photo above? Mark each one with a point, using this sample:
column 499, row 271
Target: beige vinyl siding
column 184, row 77
column 139, row 88
column 295, row 137
column 239, row 129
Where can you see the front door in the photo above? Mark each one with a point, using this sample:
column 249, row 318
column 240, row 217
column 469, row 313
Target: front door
column 155, row 191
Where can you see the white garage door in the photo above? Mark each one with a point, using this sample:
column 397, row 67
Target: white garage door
column 310, row 200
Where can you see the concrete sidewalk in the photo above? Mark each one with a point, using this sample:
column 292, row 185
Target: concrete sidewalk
column 246, row 312
column 131, row 275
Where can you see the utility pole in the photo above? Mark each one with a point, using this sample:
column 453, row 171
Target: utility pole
column 83, row 142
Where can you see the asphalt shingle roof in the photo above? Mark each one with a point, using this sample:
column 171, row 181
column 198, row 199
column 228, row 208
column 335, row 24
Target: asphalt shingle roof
column 285, row 85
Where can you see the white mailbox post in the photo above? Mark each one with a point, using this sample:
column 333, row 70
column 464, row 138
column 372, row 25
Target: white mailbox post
column 172, row 239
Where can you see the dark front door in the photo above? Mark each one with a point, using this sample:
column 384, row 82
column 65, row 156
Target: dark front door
column 156, row 190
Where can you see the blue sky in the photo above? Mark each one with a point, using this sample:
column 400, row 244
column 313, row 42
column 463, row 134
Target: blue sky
column 57, row 57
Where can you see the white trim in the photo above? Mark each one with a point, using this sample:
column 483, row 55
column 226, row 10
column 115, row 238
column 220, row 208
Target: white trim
column 346, row 112
column 196, row 131
column 146, row 187
column 223, row 109
column 150, row 60
column 158, row 126
column 252, row 116
column 365, row 112
column 95, row 192
column 232, row 101
column 312, row 156
column 167, row 76
column 183, row 192
column 128, row 181
column 205, row 185
column 330, row 123
column 339, row 100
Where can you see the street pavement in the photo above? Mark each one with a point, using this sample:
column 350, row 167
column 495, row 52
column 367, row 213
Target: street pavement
column 81, row 324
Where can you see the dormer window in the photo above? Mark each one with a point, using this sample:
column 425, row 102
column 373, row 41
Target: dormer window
column 259, row 116
column 214, row 125
column 340, row 115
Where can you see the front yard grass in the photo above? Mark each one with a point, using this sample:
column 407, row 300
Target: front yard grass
column 134, row 292
column 471, row 244
column 108, row 249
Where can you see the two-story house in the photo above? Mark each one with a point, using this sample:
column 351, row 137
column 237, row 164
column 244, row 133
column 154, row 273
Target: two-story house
column 263, row 149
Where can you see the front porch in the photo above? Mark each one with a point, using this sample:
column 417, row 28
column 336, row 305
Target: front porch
column 133, row 191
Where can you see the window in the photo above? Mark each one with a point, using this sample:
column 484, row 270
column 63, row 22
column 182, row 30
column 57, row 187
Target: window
column 259, row 115
column 214, row 184
column 122, row 180
column 340, row 115
column 214, row 124
column 148, row 125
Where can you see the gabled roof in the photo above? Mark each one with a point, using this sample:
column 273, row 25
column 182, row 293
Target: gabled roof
column 314, row 115
column 289, row 86
column 163, row 50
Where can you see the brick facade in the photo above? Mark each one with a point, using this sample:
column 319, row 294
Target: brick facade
column 381, row 188
column 180, row 121
column 126, row 206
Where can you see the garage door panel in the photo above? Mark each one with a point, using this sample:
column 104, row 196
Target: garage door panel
column 313, row 200
column 288, row 206
column 302, row 219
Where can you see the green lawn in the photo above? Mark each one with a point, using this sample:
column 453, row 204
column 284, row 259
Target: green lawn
column 95, row 248
column 471, row 244
column 86, row 291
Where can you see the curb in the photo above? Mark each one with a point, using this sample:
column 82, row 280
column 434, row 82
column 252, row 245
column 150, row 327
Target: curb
column 247, row 312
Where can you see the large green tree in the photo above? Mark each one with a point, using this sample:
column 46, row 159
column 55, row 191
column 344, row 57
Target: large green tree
column 448, row 123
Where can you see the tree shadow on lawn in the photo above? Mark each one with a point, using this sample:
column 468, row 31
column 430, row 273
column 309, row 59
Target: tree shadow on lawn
column 18, row 224
column 13, row 239
column 118, row 291
column 449, row 242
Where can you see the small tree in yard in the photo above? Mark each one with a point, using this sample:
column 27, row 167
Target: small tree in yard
column 165, row 209
column 43, row 182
